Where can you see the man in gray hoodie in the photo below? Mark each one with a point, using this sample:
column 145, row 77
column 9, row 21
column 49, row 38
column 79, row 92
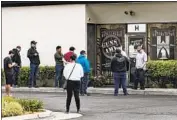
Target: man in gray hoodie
column 119, row 66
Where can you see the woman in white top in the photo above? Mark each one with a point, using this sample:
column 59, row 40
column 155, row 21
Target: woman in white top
column 73, row 72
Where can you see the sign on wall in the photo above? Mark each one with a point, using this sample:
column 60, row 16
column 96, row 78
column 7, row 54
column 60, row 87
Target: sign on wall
column 134, row 42
column 136, row 28
column 163, row 43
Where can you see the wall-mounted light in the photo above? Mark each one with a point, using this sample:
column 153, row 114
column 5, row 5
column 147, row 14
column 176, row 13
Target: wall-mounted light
column 88, row 19
column 131, row 13
column 126, row 12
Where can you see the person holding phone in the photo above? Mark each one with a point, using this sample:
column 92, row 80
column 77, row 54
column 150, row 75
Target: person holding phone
column 59, row 66
column 33, row 56
column 8, row 70
column 17, row 59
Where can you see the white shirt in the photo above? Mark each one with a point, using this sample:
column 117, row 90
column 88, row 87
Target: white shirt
column 141, row 59
column 77, row 73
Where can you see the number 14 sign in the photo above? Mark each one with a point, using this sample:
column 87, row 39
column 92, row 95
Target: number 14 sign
column 136, row 28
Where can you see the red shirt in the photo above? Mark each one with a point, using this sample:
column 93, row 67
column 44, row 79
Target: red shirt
column 68, row 55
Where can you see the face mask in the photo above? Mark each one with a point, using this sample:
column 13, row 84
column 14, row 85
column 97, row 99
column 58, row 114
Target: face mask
column 18, row 49
column 33, row 45
column 11, row 55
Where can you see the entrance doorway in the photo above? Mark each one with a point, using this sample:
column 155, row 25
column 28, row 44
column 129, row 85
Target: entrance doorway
column 133, row 40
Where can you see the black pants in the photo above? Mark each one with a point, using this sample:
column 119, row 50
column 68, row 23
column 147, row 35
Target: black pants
column 139, row 77
column 73, row 86
column 16, row 75
column 9, row 78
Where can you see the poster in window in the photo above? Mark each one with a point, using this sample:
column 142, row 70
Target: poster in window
column 111, row 39
column 163, row 43
column 133, row 43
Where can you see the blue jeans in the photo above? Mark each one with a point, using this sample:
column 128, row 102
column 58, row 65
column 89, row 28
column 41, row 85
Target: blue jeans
column 84, row 83
column 59, row 75
column 120, row 77
column 33, row 74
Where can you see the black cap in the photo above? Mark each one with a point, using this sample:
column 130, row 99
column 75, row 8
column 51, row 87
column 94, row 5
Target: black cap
column 33, row 42
column 82, row 52
column 19, row 47
column 72, row 48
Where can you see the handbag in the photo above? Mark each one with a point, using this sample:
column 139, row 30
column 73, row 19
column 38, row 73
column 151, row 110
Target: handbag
column 65, row 84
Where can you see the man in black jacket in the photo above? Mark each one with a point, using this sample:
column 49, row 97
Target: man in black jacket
column 16, row 59
column 119, row 66
column 33, row 56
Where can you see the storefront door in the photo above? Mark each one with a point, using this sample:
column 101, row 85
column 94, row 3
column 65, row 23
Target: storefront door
column 133, row 42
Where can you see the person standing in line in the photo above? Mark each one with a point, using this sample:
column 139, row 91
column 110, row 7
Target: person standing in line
column 124, row 54
column 119, row 66
column 73, row 72
column 141, row 59
column 59, row 66
column 86, row 67
column 8, row 70
column 69, row 54
column 17, row 59
column 33, row 56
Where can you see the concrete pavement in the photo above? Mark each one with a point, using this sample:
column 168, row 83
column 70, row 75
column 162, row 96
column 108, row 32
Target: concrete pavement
column 147, row 91
column 109, row 107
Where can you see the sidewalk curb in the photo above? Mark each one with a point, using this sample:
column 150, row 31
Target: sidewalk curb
column 147, row 91
column 151, row 91
column 45, row 114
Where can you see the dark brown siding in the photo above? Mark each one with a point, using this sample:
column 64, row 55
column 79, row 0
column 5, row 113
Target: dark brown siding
column 91, row 45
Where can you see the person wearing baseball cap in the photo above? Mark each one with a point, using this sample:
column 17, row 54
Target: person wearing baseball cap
column 33, row 56
column 16, row 59
column 33, row 42
column 86, row 67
